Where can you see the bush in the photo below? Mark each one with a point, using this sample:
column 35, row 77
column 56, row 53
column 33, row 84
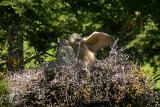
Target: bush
column 4, row 99
column 114, row 82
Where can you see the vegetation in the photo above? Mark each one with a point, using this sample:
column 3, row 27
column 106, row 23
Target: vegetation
column 4, row 92
column 30, row 29
column 114, row 81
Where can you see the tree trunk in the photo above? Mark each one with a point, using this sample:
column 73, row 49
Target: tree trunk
column 15, row 61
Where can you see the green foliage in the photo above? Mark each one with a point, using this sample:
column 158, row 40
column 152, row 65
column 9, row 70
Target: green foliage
column 146, row 46
column 4, row 100
column 3, row 87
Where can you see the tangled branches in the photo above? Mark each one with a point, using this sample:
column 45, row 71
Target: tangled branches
column 114, row 81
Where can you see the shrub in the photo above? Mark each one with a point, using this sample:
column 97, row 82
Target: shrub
column 114, row 82
column 4, row 99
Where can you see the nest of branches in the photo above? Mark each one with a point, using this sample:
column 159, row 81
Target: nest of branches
column 114, row 82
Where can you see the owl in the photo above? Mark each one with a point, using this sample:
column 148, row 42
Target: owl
column 85, row 49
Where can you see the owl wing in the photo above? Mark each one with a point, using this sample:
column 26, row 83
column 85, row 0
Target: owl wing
column 98, row 40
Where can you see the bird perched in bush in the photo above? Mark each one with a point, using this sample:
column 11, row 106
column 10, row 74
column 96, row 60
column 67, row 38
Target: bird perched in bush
column 85, row 48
